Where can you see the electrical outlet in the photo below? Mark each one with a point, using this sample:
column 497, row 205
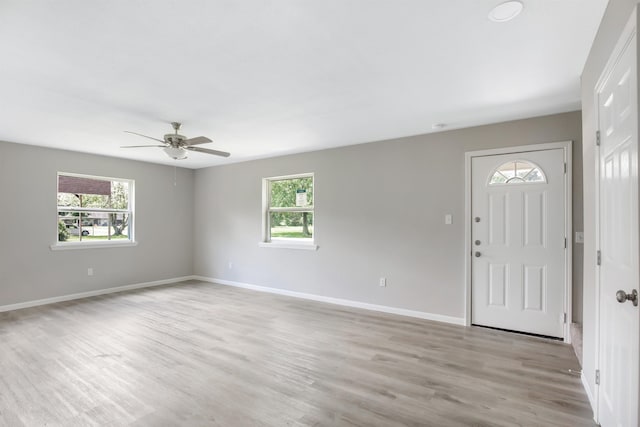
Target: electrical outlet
column 383, row 281
column 90, row 271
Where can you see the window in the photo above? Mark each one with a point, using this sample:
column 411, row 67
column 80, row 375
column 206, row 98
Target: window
column 517, row 172
column 94, row 209
column 288, row 215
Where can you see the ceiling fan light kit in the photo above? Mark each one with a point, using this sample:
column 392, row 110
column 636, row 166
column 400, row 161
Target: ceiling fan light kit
column 176, row 153
column 176, row 145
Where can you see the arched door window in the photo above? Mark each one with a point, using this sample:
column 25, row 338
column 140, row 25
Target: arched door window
column 517, row 172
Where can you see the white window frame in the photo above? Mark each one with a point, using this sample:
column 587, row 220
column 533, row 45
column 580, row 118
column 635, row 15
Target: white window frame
column 99, row 243
column 285, row 242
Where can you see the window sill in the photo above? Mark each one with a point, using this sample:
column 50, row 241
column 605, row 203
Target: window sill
column 288, row 245
column 62, row 246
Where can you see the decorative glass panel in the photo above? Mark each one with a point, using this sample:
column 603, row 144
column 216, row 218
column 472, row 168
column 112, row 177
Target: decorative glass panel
column 517, row 172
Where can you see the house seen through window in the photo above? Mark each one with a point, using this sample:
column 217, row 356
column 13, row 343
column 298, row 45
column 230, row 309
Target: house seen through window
column 94, row 208
column 289, row 208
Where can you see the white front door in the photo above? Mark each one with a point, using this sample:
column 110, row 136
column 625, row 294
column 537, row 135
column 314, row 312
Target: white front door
column 618, row 225
column 518, row 241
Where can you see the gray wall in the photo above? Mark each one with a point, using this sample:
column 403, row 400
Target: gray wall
column 615, row 18
column 30, row 270
column 379, row 212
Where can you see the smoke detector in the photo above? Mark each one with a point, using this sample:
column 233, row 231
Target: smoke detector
column 506, row 11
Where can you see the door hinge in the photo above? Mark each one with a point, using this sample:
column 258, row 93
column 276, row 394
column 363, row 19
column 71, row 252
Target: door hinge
column 598, row 138
column 565, row 318
column 599, row 258
column 565, row 243
column 597, row 376
column 565, row 168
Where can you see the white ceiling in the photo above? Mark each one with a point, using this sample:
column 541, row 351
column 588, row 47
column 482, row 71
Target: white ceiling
column 269, row 77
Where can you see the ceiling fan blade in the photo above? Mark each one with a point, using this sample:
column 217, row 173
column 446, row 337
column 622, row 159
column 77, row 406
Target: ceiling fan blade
column 144, row 136
column 138, row 146
column 197, row 140
column 206, row 150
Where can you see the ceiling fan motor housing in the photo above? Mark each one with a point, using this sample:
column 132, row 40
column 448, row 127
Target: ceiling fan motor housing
column 174, row 139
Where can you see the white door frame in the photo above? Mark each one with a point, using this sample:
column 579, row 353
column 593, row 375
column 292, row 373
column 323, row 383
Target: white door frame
column 566, row 146
column 625, row 38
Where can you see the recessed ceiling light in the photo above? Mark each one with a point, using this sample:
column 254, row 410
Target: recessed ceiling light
column 506, row 11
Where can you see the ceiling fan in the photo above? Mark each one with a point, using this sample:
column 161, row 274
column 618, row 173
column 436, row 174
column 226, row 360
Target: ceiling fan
column 176, row 146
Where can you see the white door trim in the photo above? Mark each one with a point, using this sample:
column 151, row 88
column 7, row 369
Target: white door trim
column 566, row 146
column 626, row 37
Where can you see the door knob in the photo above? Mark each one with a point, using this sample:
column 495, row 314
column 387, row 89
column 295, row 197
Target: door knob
column 477, row 254
column 622, row 296
column 477, row 242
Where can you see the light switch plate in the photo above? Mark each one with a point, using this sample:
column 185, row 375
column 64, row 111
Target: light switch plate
column 579, row 236
column 448, row 219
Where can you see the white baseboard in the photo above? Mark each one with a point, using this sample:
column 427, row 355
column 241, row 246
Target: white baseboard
column 80, row 295
column 339, row 301
column 587, row 389
column 313, row 297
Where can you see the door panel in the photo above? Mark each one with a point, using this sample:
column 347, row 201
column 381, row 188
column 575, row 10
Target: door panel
column 518, row 279
column 498, row 278
column 534, row 219
column 534, row 287
column 498, row 219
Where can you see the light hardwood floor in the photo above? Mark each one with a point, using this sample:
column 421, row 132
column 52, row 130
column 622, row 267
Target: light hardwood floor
column 201, row 354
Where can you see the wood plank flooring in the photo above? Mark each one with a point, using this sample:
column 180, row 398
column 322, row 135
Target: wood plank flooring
column 201, row 354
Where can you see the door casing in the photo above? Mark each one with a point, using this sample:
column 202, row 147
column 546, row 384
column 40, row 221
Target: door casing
column 566, row 146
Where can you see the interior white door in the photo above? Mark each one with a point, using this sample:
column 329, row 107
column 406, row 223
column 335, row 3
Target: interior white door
column 518, row 240
column 618, row 225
